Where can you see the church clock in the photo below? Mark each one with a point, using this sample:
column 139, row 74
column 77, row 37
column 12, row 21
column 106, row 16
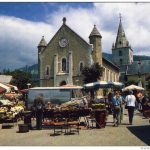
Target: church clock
column 63, row 42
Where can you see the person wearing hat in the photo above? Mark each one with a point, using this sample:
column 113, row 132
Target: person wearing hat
column 130, row 103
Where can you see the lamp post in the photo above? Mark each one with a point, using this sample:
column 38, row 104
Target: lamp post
column 139, row 74
column 125, row 75
column 28, row 84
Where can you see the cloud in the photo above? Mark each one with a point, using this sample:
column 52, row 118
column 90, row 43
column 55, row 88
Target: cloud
column 19, row 40
column 106, row 17
column 19, row 37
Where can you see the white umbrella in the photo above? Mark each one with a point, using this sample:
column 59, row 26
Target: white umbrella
column 96, row 84
column 132, row 87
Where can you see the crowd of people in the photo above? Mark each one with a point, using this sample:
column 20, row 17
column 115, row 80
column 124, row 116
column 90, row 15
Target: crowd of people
column 130, row 101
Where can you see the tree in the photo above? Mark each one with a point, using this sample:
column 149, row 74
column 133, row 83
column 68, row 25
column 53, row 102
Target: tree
column 20, row 78
column 92, row 74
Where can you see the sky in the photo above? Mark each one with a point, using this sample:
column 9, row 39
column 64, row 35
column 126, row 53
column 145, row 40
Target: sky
column 22, row 26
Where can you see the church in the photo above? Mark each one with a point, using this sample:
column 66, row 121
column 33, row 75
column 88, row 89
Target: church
column 61, row 60
column 122, row 56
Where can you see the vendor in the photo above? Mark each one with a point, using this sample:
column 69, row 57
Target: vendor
column 39, row 107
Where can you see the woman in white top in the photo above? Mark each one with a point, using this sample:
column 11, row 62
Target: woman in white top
column 130, row 102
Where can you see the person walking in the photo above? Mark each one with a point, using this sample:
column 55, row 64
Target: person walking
column 130, row 103
column 117, row 102
column 39, row 108
column 121, row 106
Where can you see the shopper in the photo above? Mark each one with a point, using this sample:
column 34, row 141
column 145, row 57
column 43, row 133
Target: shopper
column 117, row 102
column 39, row 108
column 121, row 106
column 130, row 103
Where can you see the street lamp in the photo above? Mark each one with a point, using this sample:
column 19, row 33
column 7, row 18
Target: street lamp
column 139, row 74
column 28, row 84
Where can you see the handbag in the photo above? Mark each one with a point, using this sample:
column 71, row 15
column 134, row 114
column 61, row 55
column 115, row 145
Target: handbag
column 117, row 107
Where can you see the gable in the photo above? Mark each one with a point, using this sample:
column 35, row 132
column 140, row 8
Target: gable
column 65, row 31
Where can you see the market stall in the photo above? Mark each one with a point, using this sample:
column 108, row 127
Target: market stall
column 9, row 111
column 100, row 104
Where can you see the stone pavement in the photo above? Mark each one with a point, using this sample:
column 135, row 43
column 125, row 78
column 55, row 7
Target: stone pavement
column 125, row 135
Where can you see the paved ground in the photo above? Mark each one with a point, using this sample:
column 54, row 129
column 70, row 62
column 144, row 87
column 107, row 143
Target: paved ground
column 125, row 135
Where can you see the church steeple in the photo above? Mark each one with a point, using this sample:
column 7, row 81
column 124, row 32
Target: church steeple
column 121, row 40
column 122, row 54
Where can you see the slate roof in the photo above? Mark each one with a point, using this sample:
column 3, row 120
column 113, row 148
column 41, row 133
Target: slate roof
column 121, row 40
column 134, row 68
column 42, row 42
column 105, row 60
column 95, row 32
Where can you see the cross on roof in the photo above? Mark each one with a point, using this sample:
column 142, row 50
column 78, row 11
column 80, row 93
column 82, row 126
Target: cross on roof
column 120, row 16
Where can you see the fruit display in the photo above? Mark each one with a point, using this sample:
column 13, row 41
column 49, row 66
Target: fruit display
column 8, row 110
column 99, row 106
column 3, row 109
column 70, row 105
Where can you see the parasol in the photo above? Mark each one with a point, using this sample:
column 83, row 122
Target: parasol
column 132, row 87
column 103, row 84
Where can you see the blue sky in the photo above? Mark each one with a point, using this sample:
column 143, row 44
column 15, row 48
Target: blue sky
column 23, row 24
column 36, row 11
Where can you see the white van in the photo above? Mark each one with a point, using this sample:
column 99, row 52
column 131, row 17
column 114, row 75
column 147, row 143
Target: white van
column 55, row 95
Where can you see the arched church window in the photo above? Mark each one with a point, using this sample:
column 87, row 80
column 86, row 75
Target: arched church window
column 120, row 53
column 64, row 64
column 120, row 42
column 47, row 71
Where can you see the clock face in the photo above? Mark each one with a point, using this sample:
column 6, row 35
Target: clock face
column 63, row 42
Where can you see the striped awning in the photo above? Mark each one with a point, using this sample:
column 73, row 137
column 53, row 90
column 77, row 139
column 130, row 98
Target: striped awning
column 103, row 84
column 8, row 89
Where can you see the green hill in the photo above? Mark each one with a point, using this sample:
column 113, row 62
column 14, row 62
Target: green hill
column 34, row 68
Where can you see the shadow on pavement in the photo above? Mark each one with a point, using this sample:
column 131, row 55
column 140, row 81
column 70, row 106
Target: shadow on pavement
column 141, row 132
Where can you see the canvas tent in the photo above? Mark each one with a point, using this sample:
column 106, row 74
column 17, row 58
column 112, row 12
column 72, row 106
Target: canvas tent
column 132, row 87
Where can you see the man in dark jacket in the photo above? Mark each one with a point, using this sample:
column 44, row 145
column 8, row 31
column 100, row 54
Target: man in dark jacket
column 39, row 108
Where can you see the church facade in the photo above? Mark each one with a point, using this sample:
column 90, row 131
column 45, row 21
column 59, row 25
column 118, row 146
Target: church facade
column 62, row 59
